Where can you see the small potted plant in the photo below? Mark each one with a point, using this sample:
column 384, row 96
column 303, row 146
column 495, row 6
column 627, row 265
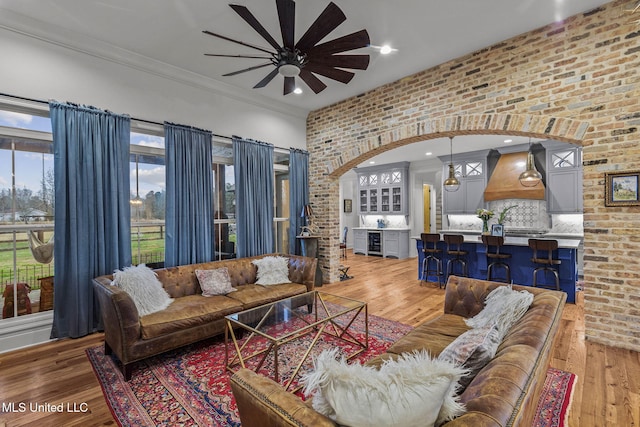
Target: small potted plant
column 503, row 214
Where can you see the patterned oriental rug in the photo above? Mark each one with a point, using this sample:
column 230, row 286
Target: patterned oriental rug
column 190, row 386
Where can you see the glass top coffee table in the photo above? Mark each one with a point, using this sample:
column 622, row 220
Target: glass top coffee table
column 255, row 338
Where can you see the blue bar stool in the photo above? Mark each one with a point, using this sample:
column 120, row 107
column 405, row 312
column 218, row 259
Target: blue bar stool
column 496, row 259
column 456, row 254
column 543, row 256
column 432, row 255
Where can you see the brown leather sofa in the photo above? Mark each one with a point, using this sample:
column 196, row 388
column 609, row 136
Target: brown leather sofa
column 504, row 393
column 191, row 317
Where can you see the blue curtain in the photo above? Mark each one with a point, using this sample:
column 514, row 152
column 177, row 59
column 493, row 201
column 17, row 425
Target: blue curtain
column 253, row 170
column 92, row 213
column 298, row 195
column 189, row 236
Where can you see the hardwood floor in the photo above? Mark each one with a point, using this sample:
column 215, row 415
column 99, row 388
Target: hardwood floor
column 607, row 391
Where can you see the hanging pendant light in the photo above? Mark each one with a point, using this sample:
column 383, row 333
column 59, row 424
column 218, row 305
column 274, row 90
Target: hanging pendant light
column 530, row 177
column 451, row 184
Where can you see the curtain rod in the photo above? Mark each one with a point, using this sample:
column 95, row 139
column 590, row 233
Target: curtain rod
column 42, row 101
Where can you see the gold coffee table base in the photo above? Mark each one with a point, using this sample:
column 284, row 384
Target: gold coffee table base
column 257, row 322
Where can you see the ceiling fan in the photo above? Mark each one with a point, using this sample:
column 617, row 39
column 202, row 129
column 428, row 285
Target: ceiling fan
column 304, row 58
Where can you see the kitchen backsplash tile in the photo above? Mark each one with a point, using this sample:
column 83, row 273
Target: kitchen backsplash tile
column 390, row 221
column 527, row 215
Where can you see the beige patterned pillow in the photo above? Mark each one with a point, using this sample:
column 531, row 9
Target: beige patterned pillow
column 215, row 282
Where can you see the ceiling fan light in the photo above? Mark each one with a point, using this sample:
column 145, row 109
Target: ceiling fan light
column 289, row 70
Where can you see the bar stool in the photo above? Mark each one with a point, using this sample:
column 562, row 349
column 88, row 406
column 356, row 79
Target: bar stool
column 539, row 247
column 495, row 258
column 456, row 254
column 431, row 255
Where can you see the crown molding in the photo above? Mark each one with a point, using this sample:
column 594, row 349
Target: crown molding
column 48, row 33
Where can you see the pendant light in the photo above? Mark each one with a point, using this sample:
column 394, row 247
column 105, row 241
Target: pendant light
column 451, row 184
column 530, row 177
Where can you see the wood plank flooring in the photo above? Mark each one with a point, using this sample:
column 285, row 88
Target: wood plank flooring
column 607, row 392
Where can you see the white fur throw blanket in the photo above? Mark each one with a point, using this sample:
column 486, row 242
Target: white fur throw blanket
column 503, row 307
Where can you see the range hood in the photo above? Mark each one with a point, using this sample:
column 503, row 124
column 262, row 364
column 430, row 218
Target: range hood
column 504, row 183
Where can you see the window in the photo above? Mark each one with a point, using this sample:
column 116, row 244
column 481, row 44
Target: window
column 224, row 188
column 26, row 214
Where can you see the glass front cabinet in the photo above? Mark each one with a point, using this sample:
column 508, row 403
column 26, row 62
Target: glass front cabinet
column 383, row 189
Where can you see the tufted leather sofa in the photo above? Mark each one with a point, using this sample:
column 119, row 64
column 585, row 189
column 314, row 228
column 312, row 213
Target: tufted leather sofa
column 504, row 393
column 191, row 317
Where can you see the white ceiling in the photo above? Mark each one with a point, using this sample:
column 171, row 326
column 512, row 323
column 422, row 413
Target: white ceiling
column 424, row 32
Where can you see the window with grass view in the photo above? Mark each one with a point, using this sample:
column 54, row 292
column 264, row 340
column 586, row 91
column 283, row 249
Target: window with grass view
column 26, row 214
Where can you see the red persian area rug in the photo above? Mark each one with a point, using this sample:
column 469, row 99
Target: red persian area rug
column 190, row 386
column 553, row 406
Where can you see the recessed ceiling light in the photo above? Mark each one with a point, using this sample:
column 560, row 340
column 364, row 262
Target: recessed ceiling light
column 506, row 141
column 297, row 91
column 428, row 153
column 386, row 49
column 372, row 162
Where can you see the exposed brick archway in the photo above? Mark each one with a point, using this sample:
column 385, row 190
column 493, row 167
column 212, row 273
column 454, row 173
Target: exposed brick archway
column 537, row 126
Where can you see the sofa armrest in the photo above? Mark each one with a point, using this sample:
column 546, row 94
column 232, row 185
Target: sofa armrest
column 119, row 317
column 302, row 270
column 264, row 403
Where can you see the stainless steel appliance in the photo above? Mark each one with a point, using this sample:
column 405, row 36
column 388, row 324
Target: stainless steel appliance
column 374, row 246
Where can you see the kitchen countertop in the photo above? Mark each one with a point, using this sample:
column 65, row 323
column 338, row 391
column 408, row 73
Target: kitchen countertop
column 380, row 229
column 518, row 241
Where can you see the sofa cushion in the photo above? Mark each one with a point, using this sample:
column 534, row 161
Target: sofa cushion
column 432, row 336
column 142, row 284
column 255, row 295
column 214, row 282
column 414, row 390
column 472, row 350
column 272, row 270
column 187, row 312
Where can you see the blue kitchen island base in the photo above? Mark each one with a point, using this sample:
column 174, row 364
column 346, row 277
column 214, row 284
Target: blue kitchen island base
column 520, row 262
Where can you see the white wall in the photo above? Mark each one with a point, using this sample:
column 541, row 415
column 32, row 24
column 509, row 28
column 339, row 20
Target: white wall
column 349, row 190
column 126, row 83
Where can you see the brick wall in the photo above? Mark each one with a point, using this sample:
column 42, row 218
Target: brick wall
column 577, row 81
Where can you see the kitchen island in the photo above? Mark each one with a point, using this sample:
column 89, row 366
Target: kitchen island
column 520, row 262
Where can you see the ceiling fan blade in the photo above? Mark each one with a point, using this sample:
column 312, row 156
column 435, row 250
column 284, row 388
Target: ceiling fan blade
column 358, row 62
column 236, row 56
column 287, row 17
column 312, row 81
column 333, row 73
column 289, row 85
column 328, row 21
column 342, row 44
column 248, row 69
column 267, row 79
column 251, row 20
column 236, row 41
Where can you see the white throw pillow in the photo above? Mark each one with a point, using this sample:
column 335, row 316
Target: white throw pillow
column 142, row 284
column 272, row 270
column 503, row 307
column 414, row 390
column 215, row 282
column 472, row 350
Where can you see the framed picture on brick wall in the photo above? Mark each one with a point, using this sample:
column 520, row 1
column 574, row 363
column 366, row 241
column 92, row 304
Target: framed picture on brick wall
column 621, row 188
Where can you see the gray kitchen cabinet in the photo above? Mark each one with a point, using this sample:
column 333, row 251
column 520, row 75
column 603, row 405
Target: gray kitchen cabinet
column 564, row 177
column 395, row 243
column 360, row 241
column 471, row 171
column 384, row 189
